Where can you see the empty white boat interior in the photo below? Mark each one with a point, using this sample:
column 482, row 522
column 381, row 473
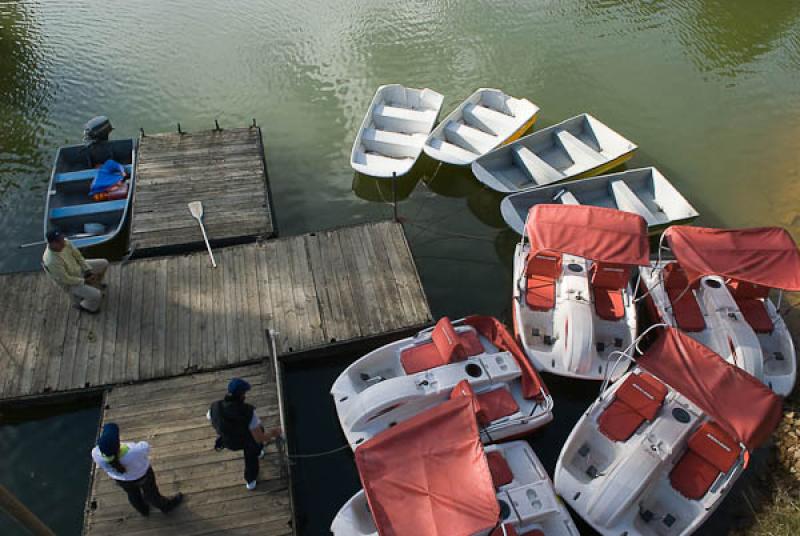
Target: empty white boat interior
column 579, row 146
column 645, row 192
column 394, row 130
column 486, row 120
column 659, row 470
column 747, row 332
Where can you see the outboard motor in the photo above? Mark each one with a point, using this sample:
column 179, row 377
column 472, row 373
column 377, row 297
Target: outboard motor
column 97, row 130
column 95, row 136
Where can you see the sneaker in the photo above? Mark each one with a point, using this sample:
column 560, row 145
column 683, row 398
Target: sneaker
column 173, row 503
column 262, row 453
column 251, row 485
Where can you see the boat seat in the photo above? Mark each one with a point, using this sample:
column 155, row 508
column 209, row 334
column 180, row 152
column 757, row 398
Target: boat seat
column 498, row 466
column 637, row 400
column 542, row 271
column 628, row 201
column 710, row 452
column 489, row 406
column 446, row 346
column 685, row 308
column 539, row 171
column 566, row 197
column 88, row 209
column 750, row 299
column 79, row 176
column 608, row 281
column 511, row 531
column 581, row 154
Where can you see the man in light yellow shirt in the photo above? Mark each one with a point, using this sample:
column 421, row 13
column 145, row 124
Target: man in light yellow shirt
column 80, row 278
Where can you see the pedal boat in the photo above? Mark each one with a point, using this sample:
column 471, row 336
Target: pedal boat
column 431, row 475
column 475, row 355
column 717, row 291
column 572, row 300
column 659, row 450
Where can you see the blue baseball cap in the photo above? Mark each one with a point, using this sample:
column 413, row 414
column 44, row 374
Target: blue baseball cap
column 108, row 442
column 238, row 386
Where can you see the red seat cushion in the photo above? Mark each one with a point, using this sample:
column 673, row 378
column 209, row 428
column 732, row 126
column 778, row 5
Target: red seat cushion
column 446, row 346
column 542, row 271
column 637, row 400
column 541, row 293
column 710, row 451
column 497, row 404
column 608, row 281
column 498, row 466
column 743, row 289
column 609, row 304
column 755, row 313
column 685, row 308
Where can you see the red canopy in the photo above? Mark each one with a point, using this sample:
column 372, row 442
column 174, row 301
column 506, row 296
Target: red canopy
column 764, row 256
column 429, row 475
column 596, row 233
column 496, row 332
column 734, row 399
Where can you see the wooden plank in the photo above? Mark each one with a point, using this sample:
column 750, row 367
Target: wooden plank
column 12, row 359
column 148, row 325
column 185, row 320
column 135, row 321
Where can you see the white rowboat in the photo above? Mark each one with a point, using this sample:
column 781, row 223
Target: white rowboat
column 396, row 126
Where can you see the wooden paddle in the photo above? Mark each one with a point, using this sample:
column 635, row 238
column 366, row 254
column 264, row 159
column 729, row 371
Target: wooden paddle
column 196, row 208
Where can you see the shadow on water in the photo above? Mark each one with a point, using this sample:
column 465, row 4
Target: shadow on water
column 51, row 474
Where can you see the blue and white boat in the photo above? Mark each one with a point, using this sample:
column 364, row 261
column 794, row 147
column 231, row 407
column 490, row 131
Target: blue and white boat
column 70, row 206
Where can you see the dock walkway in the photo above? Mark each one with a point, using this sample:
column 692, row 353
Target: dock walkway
column 170, row 415
column 171, row 316
column 225, row 169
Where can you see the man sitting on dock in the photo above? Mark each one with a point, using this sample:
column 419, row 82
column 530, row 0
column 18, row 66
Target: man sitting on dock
column 80, row 278
column 239, row 428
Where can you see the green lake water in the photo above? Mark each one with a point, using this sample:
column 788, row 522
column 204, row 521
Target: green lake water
column 708, row 89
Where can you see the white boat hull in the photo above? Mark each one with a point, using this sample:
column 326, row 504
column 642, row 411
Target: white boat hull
column 624, row 487
column 571, row 339
column 578, row 147
column 485, row 120
column 397, row 123
column 770, row 357
column 645, row 192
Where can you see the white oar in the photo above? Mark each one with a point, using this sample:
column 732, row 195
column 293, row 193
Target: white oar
column 196, row 208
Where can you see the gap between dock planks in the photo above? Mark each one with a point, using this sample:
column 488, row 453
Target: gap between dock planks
column 172, row 316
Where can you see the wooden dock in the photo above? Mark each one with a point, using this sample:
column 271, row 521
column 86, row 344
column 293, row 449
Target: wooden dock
column 171, row 316
column 170, row 415
column 225, row 169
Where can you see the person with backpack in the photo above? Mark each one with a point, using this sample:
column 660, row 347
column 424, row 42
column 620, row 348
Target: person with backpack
column 128, row 464
column 238, row 427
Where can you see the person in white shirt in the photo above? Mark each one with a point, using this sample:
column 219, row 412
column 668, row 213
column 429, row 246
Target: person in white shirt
column 239, row 428
column 128, row 464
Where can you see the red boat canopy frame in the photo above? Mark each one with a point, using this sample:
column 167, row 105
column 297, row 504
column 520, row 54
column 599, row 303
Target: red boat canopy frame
column 597, row 233
column 496, row 332
column 734, row 399
column 429, row 475
column 766, row 256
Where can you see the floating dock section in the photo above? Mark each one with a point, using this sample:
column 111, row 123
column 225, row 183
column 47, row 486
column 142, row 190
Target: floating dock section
column 170, row 415
column 225, row 169
column 177, row 315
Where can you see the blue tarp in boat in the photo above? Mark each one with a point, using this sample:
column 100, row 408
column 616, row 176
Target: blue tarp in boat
column 109, row 174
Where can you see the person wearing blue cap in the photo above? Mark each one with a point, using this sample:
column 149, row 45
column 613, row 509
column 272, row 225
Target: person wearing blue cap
column 239, row 428
column 128, row 464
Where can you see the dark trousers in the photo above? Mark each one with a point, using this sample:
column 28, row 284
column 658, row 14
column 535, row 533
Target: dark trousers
column 251, row 452
column 144, row 492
